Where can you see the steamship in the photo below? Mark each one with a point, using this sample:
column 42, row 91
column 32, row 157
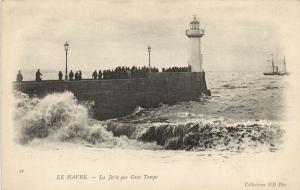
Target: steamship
column 275, row 70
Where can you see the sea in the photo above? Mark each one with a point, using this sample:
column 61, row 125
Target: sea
column 243, row 115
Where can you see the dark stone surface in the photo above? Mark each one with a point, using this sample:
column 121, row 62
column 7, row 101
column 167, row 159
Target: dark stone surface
column 119, row 97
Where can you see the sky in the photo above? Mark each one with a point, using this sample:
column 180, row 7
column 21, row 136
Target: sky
column 239, row 36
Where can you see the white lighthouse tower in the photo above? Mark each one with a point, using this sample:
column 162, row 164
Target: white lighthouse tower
column 195, row 34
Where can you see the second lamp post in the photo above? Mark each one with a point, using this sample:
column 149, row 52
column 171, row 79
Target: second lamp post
column 149, row 50
column 66, row 48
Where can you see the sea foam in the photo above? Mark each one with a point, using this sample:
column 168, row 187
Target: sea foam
column 59, row 117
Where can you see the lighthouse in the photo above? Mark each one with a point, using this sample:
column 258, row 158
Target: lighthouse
column 194, row 34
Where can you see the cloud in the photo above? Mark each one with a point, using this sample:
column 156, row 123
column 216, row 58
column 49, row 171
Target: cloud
column 107, row 34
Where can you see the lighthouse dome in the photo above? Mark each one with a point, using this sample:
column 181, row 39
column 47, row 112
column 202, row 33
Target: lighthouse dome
column 194, row 24
column 194, row 20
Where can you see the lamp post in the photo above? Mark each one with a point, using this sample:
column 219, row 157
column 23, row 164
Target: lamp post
column 66, row 48
column 149, row 50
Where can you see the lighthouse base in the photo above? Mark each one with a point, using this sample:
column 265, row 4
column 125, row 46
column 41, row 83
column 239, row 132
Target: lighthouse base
column 195, row 58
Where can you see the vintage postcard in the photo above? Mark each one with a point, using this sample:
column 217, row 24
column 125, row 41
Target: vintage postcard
column 150, row 94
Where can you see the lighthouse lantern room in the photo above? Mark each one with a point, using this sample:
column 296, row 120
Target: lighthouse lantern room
column 194, row 34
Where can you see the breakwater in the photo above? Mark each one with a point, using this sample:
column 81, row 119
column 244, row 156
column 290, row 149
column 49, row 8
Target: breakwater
column 119, row 97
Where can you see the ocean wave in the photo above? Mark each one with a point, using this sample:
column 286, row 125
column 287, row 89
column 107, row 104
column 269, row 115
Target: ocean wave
column 60, row 117
column 138, row 111
column 231, row 86
column 213, row 136
column 206, row 134
column 269, row 87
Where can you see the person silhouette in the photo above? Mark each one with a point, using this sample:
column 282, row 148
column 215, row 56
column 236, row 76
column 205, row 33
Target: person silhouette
column 79, row 75
column 38, row 75
column 100, row 75
column 60, row 75
column 94, row 74
column 76, row 76
column 19, row 77
column 71, row 75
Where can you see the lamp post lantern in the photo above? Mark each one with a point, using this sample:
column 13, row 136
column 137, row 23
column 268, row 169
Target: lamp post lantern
column 149, row 51
column 66, row 49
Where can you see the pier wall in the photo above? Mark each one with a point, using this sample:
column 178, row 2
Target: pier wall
column 119, row 97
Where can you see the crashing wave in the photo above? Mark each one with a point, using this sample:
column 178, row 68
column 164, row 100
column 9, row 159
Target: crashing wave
column 138, row 111
column 60, row 117
column 204, row 136
column 215, row 134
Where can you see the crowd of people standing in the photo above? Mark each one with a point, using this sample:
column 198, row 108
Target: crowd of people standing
column 127, row 72
column 72, row 76
column 117, row 73
column 177, row 69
